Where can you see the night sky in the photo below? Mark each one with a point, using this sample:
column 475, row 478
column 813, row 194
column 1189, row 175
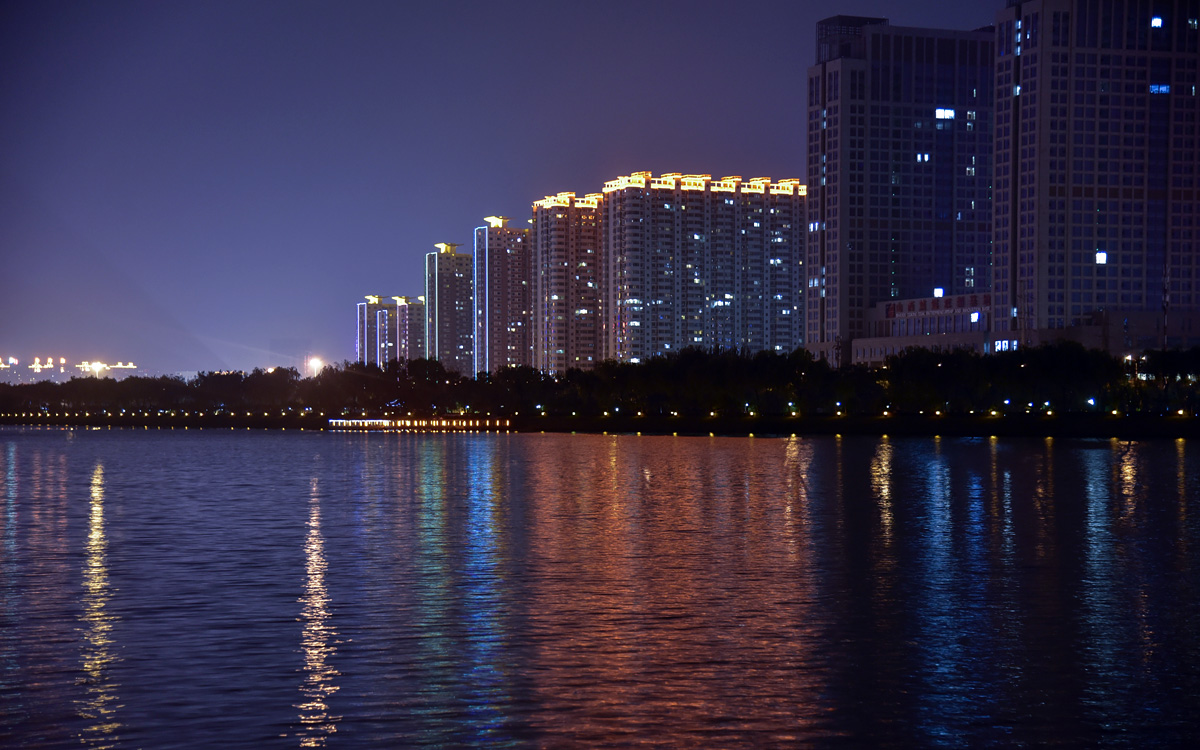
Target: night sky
column 188, row 185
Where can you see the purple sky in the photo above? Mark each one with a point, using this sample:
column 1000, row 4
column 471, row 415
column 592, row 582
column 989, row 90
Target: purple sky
column 185, row 184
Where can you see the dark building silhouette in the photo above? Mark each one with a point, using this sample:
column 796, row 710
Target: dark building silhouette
column 899, row 173
column 1097, row 163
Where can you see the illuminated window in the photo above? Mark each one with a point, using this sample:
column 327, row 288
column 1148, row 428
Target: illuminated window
column 1101, row 257
column 944, row 114
column 1156, row 22
column 939, row 292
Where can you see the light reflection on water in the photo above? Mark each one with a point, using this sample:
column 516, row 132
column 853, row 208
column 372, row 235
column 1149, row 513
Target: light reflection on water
column 100, row 705
column 254, row 590
column 317, row 640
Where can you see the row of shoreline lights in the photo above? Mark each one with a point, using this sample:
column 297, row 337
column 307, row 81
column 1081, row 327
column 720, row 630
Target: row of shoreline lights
column 315, row 364
column 173, row 413
column 85, row 366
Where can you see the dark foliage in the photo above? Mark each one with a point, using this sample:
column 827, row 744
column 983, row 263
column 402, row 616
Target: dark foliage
column 692, row 383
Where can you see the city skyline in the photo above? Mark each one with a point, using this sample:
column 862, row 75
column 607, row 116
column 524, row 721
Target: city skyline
column 206, row 180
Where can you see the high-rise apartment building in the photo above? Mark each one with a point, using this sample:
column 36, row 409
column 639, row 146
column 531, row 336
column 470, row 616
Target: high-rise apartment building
column 410, row 328
column 899, row 172
column 564, row 280
column 1097, row 167
column 692, row 261
column 449, row 309
column 502, row 294
column 370, row 343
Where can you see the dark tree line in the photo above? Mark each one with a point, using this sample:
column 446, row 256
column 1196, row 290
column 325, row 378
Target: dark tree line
column 691, row 383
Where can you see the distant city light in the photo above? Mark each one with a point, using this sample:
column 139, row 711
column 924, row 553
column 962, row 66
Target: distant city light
column 315, row 364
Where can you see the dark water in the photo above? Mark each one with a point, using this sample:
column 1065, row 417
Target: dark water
column 259, row 589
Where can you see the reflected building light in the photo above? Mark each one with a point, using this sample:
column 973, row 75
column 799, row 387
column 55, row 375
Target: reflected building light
column 1099, row 593
column 1043, row 498
column 483, row 590
column 1130, row 490
column 939, row 558
column 1000, row 498
column 99, row 708
column 881, row 484
column 317, row 637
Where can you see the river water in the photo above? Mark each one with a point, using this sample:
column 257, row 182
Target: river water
column 299, row 589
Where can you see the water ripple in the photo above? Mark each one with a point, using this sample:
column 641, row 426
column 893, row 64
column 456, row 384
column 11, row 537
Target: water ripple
column 279, row 590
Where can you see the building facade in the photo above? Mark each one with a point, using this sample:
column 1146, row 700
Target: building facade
column 692, row 261
column 565, row 283
column 371, row 342
column 1097, row 168
column 410, row 328
column 450, row 309
column 940, row 323
column 899, row 169
column 502, row 295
